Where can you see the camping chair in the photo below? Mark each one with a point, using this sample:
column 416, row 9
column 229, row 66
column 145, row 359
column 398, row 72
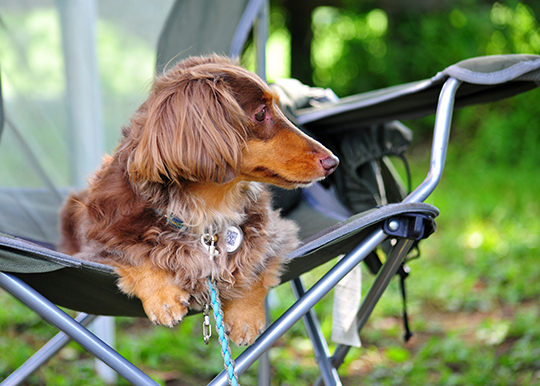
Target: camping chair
column 29, row 267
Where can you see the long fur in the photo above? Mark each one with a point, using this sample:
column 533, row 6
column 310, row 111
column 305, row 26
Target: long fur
column 201, row 149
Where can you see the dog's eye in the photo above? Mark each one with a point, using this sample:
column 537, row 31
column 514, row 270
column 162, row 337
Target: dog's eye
column 260, row 115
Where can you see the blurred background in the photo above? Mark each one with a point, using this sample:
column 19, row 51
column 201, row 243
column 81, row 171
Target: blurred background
column 473, row 293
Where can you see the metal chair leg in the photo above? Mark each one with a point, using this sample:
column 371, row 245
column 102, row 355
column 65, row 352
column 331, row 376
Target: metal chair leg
column 263, row 371
column 54, row 315
column 50, row 349
column 322, row 353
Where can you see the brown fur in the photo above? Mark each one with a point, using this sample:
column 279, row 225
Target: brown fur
column 197, row 149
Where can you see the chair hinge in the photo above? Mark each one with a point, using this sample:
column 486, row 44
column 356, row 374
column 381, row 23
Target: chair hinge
column 410, row 226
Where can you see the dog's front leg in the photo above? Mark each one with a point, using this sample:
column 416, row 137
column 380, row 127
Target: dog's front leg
column 245, row 317
column 163, row 301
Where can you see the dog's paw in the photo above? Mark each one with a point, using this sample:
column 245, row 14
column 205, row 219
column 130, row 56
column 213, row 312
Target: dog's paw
column 163, row 301
column 167, row 307
column 244, row 324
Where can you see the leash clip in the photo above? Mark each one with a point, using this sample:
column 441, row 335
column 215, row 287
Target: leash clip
column 207, row 330
column 209, row 242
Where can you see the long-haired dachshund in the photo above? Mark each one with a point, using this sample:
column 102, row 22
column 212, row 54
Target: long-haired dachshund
column 188, row 174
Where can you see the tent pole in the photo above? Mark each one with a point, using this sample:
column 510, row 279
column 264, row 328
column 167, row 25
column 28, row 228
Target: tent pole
column 84, row 104
column 83, row 96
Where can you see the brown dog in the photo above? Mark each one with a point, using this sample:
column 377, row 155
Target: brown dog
column 191, row 164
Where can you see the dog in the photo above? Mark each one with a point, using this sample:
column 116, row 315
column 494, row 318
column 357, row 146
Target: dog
column 194, row 163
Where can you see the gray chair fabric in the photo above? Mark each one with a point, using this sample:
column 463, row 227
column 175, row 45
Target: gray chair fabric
column 90, row 287
column 485, row 79
column 204, row 18
column 61, row 276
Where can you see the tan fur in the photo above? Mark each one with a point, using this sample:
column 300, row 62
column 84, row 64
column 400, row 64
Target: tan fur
column 199, row 149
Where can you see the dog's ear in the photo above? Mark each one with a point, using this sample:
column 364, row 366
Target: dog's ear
column 194, row 130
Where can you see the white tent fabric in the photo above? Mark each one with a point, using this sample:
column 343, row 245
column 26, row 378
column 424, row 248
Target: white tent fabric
column 73, row 72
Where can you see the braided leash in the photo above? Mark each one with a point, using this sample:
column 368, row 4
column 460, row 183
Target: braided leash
column 209, row 243
column 220, row 328
column 234, row 241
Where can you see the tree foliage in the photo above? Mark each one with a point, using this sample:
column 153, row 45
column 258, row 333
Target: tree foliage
column 357, row 46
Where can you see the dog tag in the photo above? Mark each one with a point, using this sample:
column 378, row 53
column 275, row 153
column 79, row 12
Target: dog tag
column 234, row 238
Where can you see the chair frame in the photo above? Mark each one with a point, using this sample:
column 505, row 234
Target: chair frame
column 303, row 308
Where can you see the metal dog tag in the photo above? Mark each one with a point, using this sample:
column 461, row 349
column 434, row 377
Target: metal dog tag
column 233, row 239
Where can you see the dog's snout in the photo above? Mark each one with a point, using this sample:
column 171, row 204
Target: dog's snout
column 330, row 164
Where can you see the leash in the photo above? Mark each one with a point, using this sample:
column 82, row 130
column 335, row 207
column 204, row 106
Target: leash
column 209, row 243
column 234, row 239
column 223, row 338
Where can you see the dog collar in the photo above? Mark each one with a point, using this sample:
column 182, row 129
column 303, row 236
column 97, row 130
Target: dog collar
column 175, row 222
column 172, row 220
column 234, row 237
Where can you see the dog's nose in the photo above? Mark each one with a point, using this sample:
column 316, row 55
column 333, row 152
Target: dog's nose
column 330, row 164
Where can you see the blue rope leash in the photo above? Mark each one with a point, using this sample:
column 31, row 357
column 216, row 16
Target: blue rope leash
column 220, row 327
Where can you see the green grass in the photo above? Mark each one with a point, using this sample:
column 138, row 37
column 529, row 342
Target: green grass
column 474, row 291
column 473, row 300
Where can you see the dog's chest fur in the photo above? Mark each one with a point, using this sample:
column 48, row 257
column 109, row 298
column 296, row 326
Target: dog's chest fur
column 140, row 230
column 267, row 238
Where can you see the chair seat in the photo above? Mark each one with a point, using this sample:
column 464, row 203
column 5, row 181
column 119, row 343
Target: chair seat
column 90, row 287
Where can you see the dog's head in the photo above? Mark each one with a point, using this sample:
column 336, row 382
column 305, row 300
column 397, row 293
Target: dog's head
column 208, row 120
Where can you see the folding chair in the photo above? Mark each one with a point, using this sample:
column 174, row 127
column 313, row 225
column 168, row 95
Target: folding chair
column 44, row 279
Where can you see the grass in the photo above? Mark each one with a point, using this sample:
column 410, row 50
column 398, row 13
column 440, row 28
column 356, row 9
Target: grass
column 474, row 292
column 473, row 303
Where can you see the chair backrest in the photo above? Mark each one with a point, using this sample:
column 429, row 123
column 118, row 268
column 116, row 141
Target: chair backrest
column 203, row 27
